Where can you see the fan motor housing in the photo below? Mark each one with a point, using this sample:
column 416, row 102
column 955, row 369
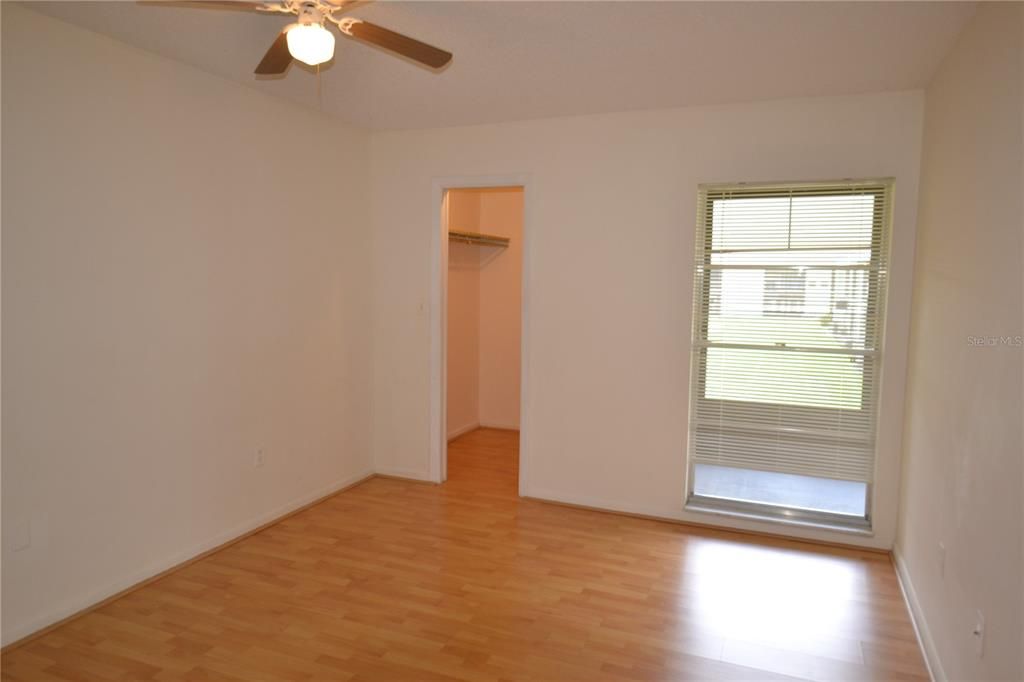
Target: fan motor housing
column 310, row 13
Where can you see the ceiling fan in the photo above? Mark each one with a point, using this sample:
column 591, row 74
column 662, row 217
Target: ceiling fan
column 310, row 42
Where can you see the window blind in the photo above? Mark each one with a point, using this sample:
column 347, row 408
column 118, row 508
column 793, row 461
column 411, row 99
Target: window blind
column 789, row 295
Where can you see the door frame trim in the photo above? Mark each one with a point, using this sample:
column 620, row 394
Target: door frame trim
column 438, row 445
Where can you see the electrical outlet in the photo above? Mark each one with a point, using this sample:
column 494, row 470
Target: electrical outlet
column 979, row 635
column 942, row 560
column 259, row 459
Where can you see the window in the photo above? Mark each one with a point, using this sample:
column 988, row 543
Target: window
column 789, row 293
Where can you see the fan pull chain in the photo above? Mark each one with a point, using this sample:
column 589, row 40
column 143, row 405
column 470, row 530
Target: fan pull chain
column 319, row 89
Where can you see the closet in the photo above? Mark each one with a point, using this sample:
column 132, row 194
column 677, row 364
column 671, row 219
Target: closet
column 483, row 308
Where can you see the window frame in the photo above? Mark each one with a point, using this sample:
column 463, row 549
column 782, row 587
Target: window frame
column 700, row 326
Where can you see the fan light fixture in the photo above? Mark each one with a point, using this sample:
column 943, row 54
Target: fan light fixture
column 311, row 43
column 308, row 40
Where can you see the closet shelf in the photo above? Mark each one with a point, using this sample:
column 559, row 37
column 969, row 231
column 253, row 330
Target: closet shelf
column 477, row 238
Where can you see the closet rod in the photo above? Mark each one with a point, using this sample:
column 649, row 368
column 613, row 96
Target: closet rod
column 477, row 238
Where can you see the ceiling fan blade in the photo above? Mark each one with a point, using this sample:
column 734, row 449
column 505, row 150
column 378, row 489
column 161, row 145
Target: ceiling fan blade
column 395, row 42
column 242, row 5
column 277, row 58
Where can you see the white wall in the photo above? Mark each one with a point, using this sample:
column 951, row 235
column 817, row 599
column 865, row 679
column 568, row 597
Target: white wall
column 963, row 444
column 172, row 304
column 610, row 211
column 501, row 214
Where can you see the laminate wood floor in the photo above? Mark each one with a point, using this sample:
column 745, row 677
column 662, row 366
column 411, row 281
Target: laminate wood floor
column 394, row 580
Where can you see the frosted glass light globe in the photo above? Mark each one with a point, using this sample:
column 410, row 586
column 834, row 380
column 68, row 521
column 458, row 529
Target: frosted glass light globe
column 311, row 43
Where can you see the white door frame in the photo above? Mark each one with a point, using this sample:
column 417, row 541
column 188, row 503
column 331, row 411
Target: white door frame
column 438, row 465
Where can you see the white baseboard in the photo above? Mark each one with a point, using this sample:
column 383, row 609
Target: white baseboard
column 495, row 425
column 594, row 503
column 924, row 636
column 405, row 473
column 133, row 578
column 851, row 539
column 455, row 433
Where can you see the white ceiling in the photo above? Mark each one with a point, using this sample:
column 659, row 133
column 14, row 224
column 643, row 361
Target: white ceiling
column 520, row 60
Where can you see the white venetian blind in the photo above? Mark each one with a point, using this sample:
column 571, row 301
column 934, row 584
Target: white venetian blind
column 789, row 294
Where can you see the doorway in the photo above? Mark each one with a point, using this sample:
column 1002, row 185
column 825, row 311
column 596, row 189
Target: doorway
column 482, row 377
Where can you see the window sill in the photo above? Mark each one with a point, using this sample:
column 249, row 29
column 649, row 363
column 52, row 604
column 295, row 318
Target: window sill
column 782, row 517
